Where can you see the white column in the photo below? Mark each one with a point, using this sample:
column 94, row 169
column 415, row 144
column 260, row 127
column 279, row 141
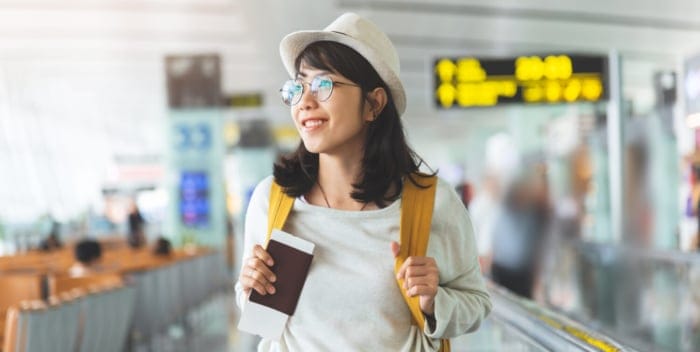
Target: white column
column 615, row 147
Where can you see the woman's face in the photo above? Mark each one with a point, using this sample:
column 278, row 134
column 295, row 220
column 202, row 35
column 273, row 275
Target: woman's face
column 335, row 126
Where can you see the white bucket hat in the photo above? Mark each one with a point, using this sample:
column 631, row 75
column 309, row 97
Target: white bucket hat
column 363, row 36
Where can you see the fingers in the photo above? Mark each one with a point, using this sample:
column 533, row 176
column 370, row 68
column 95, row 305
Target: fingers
column 422, row 290
column 261, row 253
column 256, row 273
column 420, row 276
column 417, row 266
column 248, row 283
column 428, row 280
column 395, row 248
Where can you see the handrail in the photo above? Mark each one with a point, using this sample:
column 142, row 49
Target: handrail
column 552, row 330
column 666, row 255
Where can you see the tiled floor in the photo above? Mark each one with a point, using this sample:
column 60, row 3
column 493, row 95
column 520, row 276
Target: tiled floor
column 209, row 329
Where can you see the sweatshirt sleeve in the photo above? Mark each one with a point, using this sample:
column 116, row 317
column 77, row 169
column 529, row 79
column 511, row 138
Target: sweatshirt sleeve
column 462, row 301
column 255, row 227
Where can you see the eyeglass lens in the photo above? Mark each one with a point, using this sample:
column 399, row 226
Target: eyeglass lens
column 292, row 90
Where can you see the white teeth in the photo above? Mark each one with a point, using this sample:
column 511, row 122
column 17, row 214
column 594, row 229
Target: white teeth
column 312, row 123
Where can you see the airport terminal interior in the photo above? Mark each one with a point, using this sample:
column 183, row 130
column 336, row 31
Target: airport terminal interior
column 133, row 133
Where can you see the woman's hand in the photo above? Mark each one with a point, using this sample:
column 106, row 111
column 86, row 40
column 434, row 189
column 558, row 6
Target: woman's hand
column 256, row 273
column 420, row 277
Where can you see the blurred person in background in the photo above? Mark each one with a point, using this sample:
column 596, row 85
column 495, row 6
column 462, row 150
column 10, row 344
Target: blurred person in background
column 137, row 232
column 87, row 254
column 639, row 217
column 466, row 191
column 162, row 247
column 565, row 270
column 695, row 207
column 695, row 245
column 501, row 162
column 53, row 240
column 230, row 242
column 520, row 232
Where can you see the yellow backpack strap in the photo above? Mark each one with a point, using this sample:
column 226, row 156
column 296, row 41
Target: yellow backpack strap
column 416, row 217
column 280, row 206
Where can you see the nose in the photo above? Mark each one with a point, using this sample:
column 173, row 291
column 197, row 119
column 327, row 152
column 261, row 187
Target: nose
column 308, row 100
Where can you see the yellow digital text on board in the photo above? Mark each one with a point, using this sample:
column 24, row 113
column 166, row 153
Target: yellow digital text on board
column 551, row 79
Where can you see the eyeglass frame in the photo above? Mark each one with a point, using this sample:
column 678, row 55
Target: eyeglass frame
column 315, row 94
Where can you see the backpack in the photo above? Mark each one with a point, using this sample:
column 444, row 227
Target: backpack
column 414, row 229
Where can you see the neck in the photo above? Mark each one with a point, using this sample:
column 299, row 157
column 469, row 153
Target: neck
column 335, row 179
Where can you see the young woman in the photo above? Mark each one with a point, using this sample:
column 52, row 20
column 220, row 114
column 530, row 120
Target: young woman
column 347, row 177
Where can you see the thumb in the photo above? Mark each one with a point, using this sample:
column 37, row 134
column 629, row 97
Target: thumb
column 395, row 248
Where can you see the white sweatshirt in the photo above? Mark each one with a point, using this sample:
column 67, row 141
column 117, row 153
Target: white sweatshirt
column 350, row 301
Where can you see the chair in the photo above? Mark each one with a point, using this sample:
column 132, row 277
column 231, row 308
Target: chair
column 68, row 318
column 10, row 341
column 19, row 287
column 105, row 319
column 144, row 322
column 35, row 327
column 61, row 284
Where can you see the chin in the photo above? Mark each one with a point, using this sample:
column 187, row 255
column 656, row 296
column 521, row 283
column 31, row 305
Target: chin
column 312, row 148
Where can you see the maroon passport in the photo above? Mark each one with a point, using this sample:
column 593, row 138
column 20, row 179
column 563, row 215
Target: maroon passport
column 291, row 267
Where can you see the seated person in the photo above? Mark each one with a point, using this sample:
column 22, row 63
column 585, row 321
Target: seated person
column 53, row 240
column 50, row 243
column 88, row 253
column 162, row 248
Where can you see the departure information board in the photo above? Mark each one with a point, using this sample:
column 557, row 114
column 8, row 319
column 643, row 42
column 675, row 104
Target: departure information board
column 194, row 198
column 465, row 82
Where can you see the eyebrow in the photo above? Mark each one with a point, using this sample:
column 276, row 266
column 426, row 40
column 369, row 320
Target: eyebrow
column 323, row 72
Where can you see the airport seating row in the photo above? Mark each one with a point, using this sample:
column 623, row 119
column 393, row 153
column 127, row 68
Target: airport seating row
column 167, row 294
column 151, row 293
column 96, row 318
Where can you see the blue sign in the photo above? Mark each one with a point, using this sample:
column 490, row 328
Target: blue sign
column 193, row 136
column 194, row 198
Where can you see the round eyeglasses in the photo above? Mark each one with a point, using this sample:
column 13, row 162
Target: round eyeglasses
column 321, row 87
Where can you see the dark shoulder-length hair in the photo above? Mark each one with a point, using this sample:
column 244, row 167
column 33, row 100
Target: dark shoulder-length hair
column 387, row 159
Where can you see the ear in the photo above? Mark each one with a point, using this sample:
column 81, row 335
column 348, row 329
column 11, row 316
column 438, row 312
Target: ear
column 377, row 99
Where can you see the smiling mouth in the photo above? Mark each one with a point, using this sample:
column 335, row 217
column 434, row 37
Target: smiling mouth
column 311, row 123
